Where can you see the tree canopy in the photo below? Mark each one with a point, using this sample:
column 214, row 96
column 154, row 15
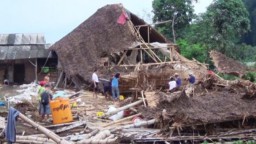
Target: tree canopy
column 180, row 12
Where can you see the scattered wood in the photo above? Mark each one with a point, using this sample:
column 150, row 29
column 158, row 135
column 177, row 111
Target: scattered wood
column 74, row 125
column 121, row 120
column 42, row 129
column 124, row 108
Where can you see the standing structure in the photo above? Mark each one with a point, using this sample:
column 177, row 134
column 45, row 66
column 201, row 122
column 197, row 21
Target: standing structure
column 22, row 57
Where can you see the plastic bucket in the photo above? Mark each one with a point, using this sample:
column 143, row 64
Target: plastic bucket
column 61, row 111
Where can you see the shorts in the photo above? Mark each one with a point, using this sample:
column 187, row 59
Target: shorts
column 96, row 88
column 45, row 109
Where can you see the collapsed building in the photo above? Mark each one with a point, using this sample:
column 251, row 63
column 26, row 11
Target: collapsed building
column 115, row 40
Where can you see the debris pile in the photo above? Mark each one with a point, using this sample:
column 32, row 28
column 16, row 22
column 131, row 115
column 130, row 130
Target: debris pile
column 195, row 112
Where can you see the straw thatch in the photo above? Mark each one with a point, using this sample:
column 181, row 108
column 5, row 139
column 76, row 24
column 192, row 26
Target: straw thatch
column 227, row 65
column 98, row 37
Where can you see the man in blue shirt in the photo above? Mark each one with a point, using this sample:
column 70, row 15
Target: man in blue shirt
column 191, row 78
column 115, row 86
column 178, row 80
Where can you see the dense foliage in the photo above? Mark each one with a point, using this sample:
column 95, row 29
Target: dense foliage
column 179, row 11
column 225, row 27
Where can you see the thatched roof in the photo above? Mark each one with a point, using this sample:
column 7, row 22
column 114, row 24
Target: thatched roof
column 227, row 65
column 99, row 36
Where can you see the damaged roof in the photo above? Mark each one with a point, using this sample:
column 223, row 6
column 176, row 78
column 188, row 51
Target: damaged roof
column 100, row 36
column 227, row 65
column 23, row 46
column 24, row 52
column 21, row 39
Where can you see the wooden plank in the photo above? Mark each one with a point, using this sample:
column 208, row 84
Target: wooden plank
column 77, row 124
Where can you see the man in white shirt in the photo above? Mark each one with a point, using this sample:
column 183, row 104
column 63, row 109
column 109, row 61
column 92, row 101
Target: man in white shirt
column 95, row 81
column 172, row 84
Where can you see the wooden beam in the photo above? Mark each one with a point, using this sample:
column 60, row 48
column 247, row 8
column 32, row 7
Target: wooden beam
column 47, row 132
column 121, row 59
column 121, row 120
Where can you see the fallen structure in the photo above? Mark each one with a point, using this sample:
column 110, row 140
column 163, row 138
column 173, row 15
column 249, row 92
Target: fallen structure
column 227, row 65
column 115, row 40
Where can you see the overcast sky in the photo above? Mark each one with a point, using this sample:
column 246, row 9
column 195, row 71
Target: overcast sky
column 56, row 18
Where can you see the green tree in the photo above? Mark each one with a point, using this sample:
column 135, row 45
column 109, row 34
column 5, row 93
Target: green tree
column 180, row 12
column 250, row 37
column 229, row 20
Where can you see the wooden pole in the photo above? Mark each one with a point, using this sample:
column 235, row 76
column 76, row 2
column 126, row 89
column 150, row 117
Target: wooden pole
column 42, row 129
column 171, row 54
column 148, row 34
column 74, row 125
column 121, row 59
column 143, row 98
column 143, row 123
column 121, row 120
column 59, row 79
column 36, row 70
column 124, row 108
column 141, row 57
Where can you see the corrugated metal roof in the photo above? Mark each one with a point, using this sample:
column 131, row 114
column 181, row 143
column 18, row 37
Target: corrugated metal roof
column 24, row 52
column 21, row 39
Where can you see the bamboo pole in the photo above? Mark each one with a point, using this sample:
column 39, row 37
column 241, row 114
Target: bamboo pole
column 124, row 108
column 36, row 70
column 144, row 123
column 97, row 141
column 60, row 76
column 143, row 98
column 121, row 120
column 74, row 125
column 42, row 129
column 34, row 138
column 94, row 132
column 121, row 59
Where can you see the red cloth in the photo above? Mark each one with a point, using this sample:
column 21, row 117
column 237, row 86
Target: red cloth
column 42, row 83
column 122, row 18
column 210, row 72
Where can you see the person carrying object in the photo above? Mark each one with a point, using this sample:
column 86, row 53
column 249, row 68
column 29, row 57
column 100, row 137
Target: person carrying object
column 46, row 97
column 115, row 86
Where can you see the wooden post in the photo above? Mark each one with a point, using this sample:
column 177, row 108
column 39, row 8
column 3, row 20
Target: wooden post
column 121, row 120
column 143, row 98
column 171, row 56
column 124, row 108
column 44, row 130
column 60, row 76
column 141, row 57
column 148, row 33
column 36, row 70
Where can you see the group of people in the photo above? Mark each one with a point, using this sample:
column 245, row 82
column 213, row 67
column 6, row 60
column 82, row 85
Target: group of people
column 44, row 97
column 176, row 82
column 109, row 87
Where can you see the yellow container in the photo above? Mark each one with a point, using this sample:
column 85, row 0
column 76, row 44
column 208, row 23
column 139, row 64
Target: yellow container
column 61, row 111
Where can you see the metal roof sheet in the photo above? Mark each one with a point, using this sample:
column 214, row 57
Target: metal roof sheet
column 21, row 39
column 24, row 52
